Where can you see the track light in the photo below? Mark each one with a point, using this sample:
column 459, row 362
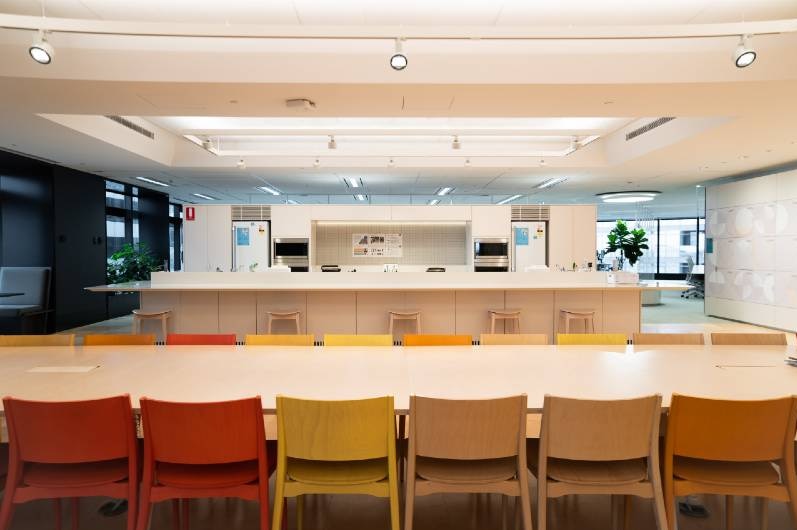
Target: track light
column 41, row 51
column 391, row 163
column 398, row 61
column 332, row 144
column 241, row 164
column 316, row 163
column 744, row 56
column 467, row 162
column 456, row 144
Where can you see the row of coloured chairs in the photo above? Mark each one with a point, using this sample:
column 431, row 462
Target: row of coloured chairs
column 595, row 339
column 202, row 450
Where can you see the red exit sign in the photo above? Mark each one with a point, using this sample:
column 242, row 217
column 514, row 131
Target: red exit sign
column 190, row 213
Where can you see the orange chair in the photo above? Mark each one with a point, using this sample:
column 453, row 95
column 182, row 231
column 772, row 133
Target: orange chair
column 203, row 450
column 438, row 340
column 210, row 339
column 70, row 450
column 118, row 340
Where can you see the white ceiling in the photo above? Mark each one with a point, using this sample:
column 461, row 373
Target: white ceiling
column 729, row 121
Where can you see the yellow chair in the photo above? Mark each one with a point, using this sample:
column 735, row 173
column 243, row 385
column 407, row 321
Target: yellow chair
column 344, row 447
column 358, row 340
column 591, row 339
column 279, row 340
column 37, row 340
column 513, row 339
column 437, row 340
column 119, row 340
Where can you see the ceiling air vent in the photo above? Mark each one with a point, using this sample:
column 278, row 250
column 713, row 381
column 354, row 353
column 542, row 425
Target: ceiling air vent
column 251, row 212
column 648, row 127
column 132, row 126
column 531, row 212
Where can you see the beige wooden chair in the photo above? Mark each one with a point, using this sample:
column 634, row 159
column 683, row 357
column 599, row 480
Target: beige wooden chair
column 748, row 339
column 573, row 315
column 467, row 446
column 292, row 316
column 731, row 448
column 513, row 339
column 599, row 447
column 506, row 315
column 669, row 339
column 139, row 316
column 37, row 340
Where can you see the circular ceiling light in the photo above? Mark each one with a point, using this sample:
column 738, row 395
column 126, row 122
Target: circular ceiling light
column 628, row 196
column 744, row 56
column 41, row 51
column 398, row 61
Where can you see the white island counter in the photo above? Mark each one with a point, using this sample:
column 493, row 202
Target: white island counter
column 358, row 302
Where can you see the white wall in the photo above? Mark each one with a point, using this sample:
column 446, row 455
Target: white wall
column 751, row 275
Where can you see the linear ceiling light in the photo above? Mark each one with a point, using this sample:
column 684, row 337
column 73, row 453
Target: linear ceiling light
column 291, row 201
column 444, row 191
column 509, row 199
column 152, row 181
column 269, row 189
column 550, row 182
column 628, row 196
column 398, row 61
column 206, row 197
column 433, row 202
column 743, row 56
column 41, row 51
column 360, row 197
column 354, row 182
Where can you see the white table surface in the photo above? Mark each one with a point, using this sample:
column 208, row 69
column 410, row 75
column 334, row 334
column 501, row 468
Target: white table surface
column 208, row 373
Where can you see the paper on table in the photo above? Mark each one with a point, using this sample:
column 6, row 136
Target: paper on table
column 63, row 369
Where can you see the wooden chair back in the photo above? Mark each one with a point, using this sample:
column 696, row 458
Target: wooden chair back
column 200, row 339
column 37, row 340
column 734, row 431
column 358, row 340
column 513, row 339
column 336, row 430
column 437, row 340
column 468, row 429
column 118, row 340
column 748, row 339
column 576, row 429
column 668, row 339
column 591, row 339
column 279, row 340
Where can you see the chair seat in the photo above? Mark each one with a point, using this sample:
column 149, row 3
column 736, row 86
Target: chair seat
column 466, row 471
column 17, row 310
column 725, row 473
column 588, row 473
column 207, row 475
column 75, row 475
column 405, row 313
column 150, row 314
column 338, row 473
column 505, row 312
column 579, row 312
column 284, row 313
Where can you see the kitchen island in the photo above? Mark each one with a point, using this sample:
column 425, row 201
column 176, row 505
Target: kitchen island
column 358, row 303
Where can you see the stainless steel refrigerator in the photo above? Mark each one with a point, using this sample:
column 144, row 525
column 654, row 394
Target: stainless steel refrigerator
column 251, row 244
column 529, row 246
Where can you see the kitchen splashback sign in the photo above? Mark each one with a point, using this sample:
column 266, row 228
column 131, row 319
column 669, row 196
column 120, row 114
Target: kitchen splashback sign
column 377, row 245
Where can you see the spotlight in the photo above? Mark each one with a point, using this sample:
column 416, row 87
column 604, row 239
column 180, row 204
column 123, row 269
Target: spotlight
column 332, row 144
column 456, row 144
column 467, row 162
column 398, row 61
column 744, row 56
column 391, row 163
column 41, row 51
column 316, row 163
column 241, row 164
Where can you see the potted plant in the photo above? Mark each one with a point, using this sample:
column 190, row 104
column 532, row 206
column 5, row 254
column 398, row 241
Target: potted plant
column 131, row 263
column 630, row 243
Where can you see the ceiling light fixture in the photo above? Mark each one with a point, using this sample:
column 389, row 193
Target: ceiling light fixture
column 152, row 181
column 391, row 163
column 241, row 164
column 360, row 197
column 744, row 55
column 542, row 162
column 550, row 182
column 206, row 197
column 467, row 162
column 354, row 182
column 332, row 144
column 398, row 61
column 628, row 196
column 433, row 202
column 291, row 201
column 456, row 144
column 41, row 51
column 316, row 163
column 270, row 189
column 444, row 191
column 509, row 199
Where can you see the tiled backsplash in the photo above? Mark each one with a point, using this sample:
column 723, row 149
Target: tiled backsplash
column 433, row 244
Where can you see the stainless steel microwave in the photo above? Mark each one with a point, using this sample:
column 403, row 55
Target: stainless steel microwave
column 293, row 252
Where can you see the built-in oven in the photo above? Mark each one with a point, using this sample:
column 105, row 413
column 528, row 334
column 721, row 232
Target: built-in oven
column 491, row 254
column 293, row 252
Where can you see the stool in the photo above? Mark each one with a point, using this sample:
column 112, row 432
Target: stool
column 406, row 315
column 587, row 315
column 512, row 315
column 140, row 314
column 283, row 315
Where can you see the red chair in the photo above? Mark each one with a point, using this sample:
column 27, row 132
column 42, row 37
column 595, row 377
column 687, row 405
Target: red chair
column 202, row 450
column 212, row 339
column 70, row 450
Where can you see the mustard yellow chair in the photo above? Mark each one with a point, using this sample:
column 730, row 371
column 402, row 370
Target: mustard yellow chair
column 591, row 339
column 358, row 340
column 344, row 447
column 437, row 340
column 513, row 339
column 119, row 340
column 37, row 340
column 279, row 340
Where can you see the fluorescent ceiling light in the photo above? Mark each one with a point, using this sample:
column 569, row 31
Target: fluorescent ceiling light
column 354, row 182
column 433, row 202
column 550, row 182
column 291, row 201
column 444, row 191
column 360, row 197
column 509, row 199
column 152, row 181
column 269, row 189
column 41, row 51
column 628, row 196
column 206, row 197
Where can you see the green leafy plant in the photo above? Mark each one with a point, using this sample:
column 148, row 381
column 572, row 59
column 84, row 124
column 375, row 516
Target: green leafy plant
column 630, row 243
column 131, row 263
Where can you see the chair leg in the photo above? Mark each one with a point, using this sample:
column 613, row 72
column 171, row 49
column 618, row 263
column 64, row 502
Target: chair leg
column 418, row 324
column 75, row 513
column 164, row 328
column 764, row 513
column 270, row 321
column 492, row 323
column 135, row 325
column 390, row 325
column 296, row 320
column 402, row 456
column 176, row 514
column 409, row 503
column 57, row 510
column 7, row 509
column 542, row 504
column 659, row 509
column 299, row 512
column 395, row 521
column 184, row 518
column 280, row 504
column 729, row 512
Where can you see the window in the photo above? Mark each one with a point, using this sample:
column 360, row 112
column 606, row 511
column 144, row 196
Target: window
column 647, row 264
column 121, row 216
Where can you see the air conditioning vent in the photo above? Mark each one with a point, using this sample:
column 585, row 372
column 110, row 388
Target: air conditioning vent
column 132, row 126
column 251, row 212
column 649, row 127
column 531, row 212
